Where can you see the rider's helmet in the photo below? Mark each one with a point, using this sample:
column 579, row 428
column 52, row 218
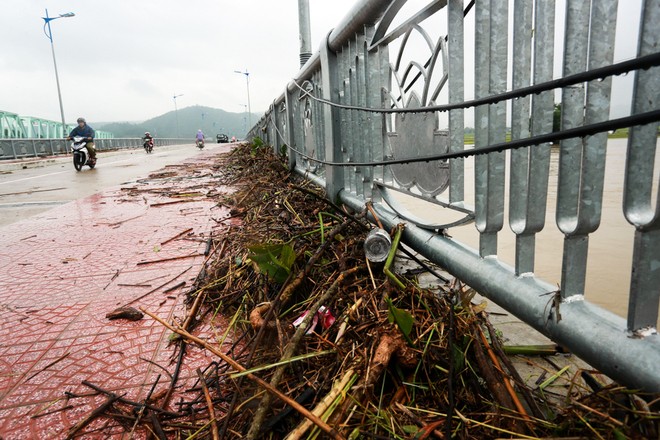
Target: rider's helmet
column 81, row 120
column 146, row 133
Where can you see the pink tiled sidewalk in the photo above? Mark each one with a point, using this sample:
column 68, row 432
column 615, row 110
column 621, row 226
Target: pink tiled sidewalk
column 62, row 271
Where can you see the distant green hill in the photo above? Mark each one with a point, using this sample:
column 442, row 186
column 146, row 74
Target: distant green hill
column 190, row 119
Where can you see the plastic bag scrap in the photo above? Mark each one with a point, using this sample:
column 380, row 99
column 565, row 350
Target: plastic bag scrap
column 323, row 315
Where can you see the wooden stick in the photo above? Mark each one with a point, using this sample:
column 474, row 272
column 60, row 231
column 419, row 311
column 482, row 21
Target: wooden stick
column 157, row 288
column 162, row 260
column 322, row 406
column 176, row 236
column 507, row 384
column 193, row 310
column 601, row 414
column 174, row 287
column 209, row 403
column 156, row 205
column 295, row 405
column 143, row 407
column 64, row 356
column 121, row 399
column 90, row 418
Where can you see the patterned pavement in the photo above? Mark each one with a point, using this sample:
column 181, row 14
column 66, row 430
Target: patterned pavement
column 63, row 270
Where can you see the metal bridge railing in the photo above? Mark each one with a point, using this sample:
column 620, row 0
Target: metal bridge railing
column 26, row 148
column 384, row 108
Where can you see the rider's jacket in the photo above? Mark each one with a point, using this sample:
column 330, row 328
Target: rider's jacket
column 85, row 132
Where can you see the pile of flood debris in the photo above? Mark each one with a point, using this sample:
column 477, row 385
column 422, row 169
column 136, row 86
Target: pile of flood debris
column 319, row 342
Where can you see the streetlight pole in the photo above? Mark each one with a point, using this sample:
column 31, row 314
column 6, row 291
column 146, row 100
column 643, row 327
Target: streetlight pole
column 176, row 114
column 49, row 34
column 247, row 79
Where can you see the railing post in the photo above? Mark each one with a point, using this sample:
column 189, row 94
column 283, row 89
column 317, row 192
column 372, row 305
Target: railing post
column 334, row 175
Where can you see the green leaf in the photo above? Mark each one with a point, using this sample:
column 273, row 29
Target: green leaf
column 275, row 260
column 402, row 318
column 618, row 435
column 410, row 429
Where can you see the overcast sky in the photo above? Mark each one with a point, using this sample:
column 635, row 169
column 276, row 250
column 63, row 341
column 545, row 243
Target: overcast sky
column 123, row 60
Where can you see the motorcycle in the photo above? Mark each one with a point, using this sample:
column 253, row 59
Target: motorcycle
column 200, row 143
column 148, row 145
column 81, row 153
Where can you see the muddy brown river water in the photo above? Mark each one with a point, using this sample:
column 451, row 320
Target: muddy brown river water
column 610, row 247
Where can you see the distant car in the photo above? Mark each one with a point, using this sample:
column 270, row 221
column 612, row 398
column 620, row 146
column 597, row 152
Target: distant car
column 222, row 138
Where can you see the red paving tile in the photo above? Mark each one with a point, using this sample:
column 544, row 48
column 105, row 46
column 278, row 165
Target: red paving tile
column 62, row 271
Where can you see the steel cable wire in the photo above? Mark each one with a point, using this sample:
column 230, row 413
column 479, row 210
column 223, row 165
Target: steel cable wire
column 645, row 62
column 586, row 130
column 624, row 67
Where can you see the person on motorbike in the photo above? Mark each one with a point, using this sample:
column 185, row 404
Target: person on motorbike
column 199, row 137
column 147, row 138
column 88, row 133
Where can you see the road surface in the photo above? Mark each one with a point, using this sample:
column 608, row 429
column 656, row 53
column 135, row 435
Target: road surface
column 30, row 191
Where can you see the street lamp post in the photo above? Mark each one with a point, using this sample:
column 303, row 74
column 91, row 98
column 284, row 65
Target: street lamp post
column 247, row 79
column 49, row 34
column 176, row 114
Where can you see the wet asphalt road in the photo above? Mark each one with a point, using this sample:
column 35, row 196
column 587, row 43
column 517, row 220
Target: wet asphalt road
column 48, row 183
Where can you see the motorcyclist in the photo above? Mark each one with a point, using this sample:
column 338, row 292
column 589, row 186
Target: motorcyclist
column 147, row 138
column 199, row 137
column 87, row 132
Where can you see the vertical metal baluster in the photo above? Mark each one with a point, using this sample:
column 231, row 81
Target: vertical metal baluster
column 382, row 83
column 299, row 132
column 350, row 100
column 289, row 100
column 530, row 166
column 499, row 12
column 542, row 116
column 281, row 126
column 582, row 161
column 481, row 123
column 331, row 120
column 456, row 71
column 638, row 203
column 284, row 125
column 601, row 54
column 319, row 108
column 360, row 100
column 519, row 197
column 492, row 25
column 574, row 264
column 342, row 70
column 374, row 150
